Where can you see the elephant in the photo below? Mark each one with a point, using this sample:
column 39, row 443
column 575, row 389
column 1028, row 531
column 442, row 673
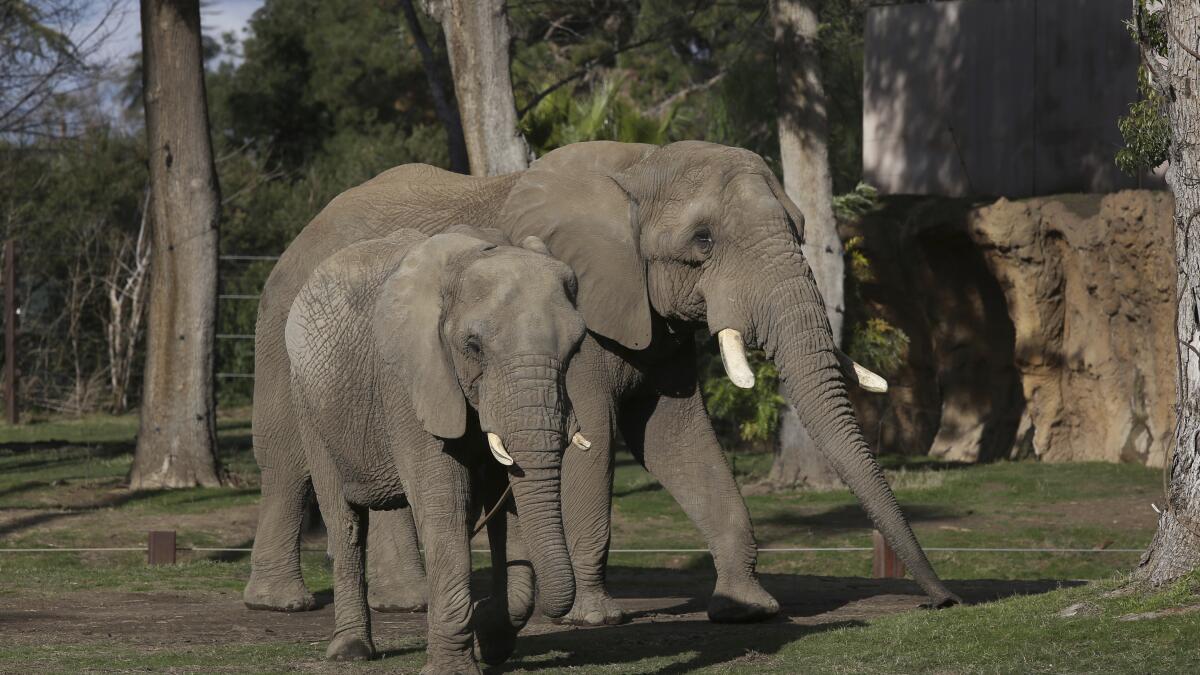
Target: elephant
column 664, row 240
column 392, row 343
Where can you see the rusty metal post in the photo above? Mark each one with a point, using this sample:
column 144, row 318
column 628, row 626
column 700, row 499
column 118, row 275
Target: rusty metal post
column 10, row 330
column 885, row 564
column 161, row 548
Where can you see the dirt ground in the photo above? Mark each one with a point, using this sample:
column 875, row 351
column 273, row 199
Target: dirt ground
column 666, row 609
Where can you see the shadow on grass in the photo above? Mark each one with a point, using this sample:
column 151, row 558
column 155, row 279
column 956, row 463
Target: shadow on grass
column 809, row 605
column 847, row 517
column 113, row 501
column 689, row 645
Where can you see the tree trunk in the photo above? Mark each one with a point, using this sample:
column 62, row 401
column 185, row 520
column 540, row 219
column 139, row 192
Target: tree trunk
column 177, row 438
column 1175, row 549
column 803, row 153
column 477, row 40
column 446, row 110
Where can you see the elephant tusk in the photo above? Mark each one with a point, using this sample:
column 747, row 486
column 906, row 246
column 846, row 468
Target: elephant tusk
column 498, row 450
column 733, row 357
column 861, row 376
column 582, row 442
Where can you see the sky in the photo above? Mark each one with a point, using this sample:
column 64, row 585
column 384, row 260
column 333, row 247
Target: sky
column 216, row 17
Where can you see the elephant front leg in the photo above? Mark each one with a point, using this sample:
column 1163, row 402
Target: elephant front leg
column 587, row 521
column 441, row 504
column 395, row 571
column 674, row 438
column 500, row 616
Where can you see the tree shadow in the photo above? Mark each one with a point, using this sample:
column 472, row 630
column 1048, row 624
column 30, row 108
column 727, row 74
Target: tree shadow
column 849, row 518
column 111, row 501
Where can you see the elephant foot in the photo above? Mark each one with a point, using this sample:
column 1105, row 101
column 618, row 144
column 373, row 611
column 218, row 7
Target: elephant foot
column 742, row 602
column 393, row 597
column 593, row 607
column 494, row 630
column 444, row 666
column 350, row 647
column 277, row 596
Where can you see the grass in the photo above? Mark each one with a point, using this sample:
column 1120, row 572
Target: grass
column 61, row 485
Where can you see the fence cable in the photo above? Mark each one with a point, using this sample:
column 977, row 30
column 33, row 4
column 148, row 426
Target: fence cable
column 789, row 549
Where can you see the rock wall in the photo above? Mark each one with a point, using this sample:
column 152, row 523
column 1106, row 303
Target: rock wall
column 1090, row 285
column 1040, row 327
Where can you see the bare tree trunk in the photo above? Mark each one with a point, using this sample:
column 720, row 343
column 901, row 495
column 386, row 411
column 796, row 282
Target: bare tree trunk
column 126, row 285
column 1175, row 549
column 477, row 40
column 176, row 445
column 446, row 110
column 803, row 133
column 79, row 291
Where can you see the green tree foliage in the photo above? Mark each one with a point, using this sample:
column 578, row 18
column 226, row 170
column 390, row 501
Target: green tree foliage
column 324, row 94
column 1145, row 129
column 606, row 114
column 753, row 413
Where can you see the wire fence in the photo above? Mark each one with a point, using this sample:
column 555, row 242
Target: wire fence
column 243, row 298
column 622, row 551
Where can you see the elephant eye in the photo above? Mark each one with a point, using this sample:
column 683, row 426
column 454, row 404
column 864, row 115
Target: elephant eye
column 703, row 239
column 472, row 345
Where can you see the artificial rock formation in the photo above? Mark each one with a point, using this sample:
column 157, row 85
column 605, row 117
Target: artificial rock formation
column 1090, row 286
column 1040, row 327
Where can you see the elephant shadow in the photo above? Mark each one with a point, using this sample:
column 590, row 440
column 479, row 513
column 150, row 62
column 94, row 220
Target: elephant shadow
column 666, row 609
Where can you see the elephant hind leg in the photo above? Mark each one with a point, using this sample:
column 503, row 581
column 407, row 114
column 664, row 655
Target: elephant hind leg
column 395, row 569
column 276, row 582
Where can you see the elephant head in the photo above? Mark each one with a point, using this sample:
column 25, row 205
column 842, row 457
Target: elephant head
column 704, row 234
column 467, row 321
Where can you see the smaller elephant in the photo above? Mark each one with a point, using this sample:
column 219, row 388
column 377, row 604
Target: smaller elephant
column 406, row 353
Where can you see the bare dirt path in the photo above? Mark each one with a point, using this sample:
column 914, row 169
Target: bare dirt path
column 666, row 609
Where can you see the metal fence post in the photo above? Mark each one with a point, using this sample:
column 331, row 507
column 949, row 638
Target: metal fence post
column 884, row 562
column 10, row 330
column 161, row 548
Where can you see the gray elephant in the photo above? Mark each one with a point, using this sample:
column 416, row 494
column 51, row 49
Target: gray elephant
column 662, row 240
column 392, row 343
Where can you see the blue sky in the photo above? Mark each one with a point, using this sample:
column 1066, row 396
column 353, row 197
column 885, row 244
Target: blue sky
column 216, row 17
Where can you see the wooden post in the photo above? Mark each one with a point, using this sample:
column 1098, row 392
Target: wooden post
column 885, row 564
column 10, row 330
column 161, row 548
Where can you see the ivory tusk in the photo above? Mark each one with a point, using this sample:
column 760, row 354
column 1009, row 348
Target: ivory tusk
column 582, row 442
column 498, row 450
column 863, row 377
column 733, row 357
column 870, row 381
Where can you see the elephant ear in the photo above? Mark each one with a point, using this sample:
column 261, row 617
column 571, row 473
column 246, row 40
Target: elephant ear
column 408, row 330
column 571, row 201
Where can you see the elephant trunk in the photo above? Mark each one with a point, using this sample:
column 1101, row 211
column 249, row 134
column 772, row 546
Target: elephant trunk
column 794, row 330
column 535, row 438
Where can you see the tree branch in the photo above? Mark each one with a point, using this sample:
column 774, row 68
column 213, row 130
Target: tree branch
column 446, row 112
column 664, row 105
